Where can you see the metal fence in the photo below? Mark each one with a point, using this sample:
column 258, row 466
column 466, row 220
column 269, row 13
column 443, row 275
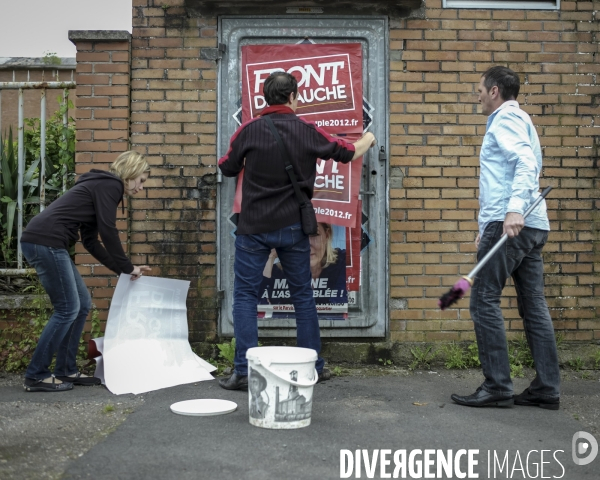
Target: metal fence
column 21, row 86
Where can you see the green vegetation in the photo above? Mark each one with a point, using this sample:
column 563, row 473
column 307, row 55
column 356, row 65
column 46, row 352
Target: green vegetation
column 58, row 176
column 19, row 338
column 225, row 356
column 50, row 58
column 422, row 357
column 519, row 357
column 576, row 363
column 9, row 190
column 516, row 370
column 458, row 356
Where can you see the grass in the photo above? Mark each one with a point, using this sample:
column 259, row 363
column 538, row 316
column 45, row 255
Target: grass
column 422, row 357
column 576, row 363
column 225, row 356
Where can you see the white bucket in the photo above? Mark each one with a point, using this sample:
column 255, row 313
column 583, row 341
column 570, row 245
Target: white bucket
column 280, row 386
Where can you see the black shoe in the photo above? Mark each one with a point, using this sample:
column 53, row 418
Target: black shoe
column 80, row 379
column 324, row 375
column 235, row 382
column 529, row 400
column 481, row 398
column 44, row 385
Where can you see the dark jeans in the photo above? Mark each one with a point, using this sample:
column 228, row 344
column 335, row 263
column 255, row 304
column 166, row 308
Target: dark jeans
column 71, row 301
column 520, row 257
column 251, row 255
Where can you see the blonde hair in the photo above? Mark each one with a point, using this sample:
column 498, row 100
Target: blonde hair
column 129, row 165
column 331, row 254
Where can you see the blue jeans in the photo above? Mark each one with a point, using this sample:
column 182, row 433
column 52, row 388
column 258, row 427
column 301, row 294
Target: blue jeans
column 521, row 258
column 71, row 301
column 251, row 255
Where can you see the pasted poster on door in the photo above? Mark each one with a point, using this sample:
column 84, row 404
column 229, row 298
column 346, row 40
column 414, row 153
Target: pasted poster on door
column 329, row 82
column 329, row 95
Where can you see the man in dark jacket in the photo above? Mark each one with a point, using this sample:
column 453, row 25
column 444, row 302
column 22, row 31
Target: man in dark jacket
column 270, row 214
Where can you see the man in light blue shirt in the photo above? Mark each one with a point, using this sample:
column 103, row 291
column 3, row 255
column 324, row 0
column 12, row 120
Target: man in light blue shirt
column 511, row 162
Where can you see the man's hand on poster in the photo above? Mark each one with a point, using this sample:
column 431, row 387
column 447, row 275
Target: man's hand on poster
column 365, row 142
column 513, row 224
column 374, row 142
column 269, row 265
column 139, row 271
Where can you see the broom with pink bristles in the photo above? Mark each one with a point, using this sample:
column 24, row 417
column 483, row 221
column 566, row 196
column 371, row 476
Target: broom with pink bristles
column 460, row 288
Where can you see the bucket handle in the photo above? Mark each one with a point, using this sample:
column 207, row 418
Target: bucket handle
column 297, row 384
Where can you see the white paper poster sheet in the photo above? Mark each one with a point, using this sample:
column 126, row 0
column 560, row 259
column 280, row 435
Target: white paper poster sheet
column 146, row 343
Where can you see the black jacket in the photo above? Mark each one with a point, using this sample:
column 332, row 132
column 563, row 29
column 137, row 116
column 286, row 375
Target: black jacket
column 268, row 199
column 90, row 207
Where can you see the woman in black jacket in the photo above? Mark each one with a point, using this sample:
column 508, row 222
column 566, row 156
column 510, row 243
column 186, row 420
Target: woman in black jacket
column 89, row 209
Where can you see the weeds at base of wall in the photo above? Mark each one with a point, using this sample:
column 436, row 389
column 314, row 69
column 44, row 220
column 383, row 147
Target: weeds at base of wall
column 576, row 364
column 466, row 355
column 453, row 356
column 19, row 339
column 422, row 357
column 223, row 356
column 459, row 357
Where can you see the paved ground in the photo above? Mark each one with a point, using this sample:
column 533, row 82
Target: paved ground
column 91, row 433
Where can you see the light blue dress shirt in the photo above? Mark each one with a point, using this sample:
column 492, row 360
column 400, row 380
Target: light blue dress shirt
column 511, row 162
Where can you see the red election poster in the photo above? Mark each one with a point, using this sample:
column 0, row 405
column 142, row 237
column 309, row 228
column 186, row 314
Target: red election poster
column 335, row 196
column 329, row 82
column 330, row 94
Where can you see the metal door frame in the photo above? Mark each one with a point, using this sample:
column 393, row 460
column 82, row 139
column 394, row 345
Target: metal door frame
column 373, row 30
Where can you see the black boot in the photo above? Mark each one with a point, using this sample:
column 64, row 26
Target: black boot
column 235, row 382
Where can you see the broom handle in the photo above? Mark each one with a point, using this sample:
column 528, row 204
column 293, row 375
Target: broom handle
column 503, row 238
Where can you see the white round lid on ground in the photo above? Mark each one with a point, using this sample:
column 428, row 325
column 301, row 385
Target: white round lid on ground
column 203, row 407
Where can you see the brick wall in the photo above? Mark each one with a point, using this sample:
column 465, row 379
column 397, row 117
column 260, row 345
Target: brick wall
column 102, row 116
column 435, row 134
column 173, row 121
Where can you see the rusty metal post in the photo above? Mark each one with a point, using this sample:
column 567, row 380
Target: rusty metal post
column 43, row 151
column 65, row 123
column 21, row 172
